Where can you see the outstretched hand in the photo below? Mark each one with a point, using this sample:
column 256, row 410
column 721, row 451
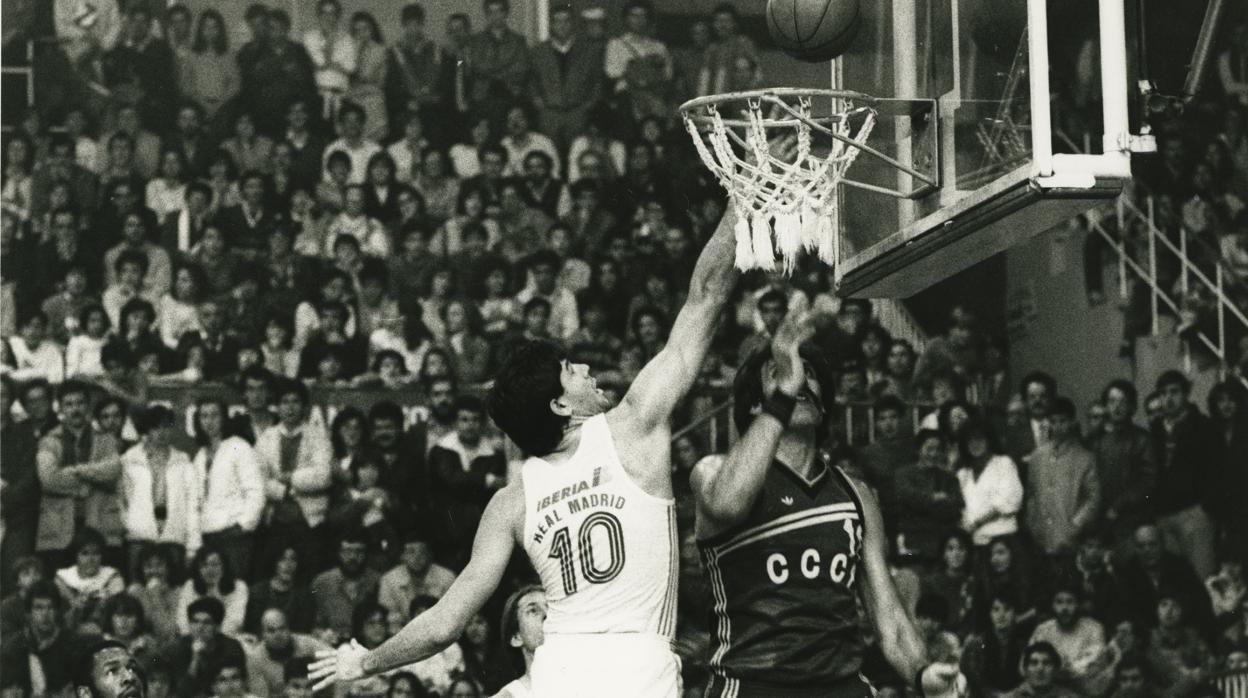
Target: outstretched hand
column 942, row 680
column 343, row 664
column 797, row 327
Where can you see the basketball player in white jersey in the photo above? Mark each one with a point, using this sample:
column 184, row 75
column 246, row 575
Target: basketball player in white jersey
column 592, row 509
column 521, row 635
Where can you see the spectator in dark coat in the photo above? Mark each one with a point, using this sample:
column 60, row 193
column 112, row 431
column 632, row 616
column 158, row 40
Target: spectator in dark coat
column 466, row 467
column 195, row 659
column 929, row 500
column 1228, row 406
column 282, row 74
column 1189, row 481
column 44, row 645
column 1151, row 574
column 19, row 497
column 1038, row 389
column 1124, row 463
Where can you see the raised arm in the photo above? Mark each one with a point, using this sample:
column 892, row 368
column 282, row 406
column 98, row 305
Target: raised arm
column 667, row 378
column 725, row 490
column 900, row 641
column 435, row 629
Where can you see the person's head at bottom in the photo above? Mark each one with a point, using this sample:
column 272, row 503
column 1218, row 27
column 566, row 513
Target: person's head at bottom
column 106, row 669
column 1041, row 663
column 538, row 393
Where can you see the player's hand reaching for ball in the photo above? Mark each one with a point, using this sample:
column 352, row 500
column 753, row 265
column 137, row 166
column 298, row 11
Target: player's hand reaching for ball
column 943, row 680
column 343, row 664
column 797, row 327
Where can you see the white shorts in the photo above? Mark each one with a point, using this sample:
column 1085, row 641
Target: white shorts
column 606, row 666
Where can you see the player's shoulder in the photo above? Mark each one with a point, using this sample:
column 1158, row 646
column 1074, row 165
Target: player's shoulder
column 506, row 507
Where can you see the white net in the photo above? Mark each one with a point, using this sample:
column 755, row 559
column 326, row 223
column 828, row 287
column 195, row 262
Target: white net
column 786, row 203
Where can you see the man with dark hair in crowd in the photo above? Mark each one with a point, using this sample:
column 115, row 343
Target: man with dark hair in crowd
column 19, row 496
column 194, row 659
column 1189, row 483
column 415, row 575
column 282, row 74
column 1038, row 389
column 1152, row 573
column 258, row 414
column 889, row 452
column 79, row 468
column 1063, row 494
column 1124, row 462
column 39, row 661
column 465, row 468
column 420, row 73
column 267, row 658
column 567, row 78
column 190, row 138
column 442, row 393
column 340, row 590
column 247, row 225
column 402, row 454
column 772, row 306
column 107, row 669
column 60, row 168
column 543, row 269
column 498, row 61
column 1077, row 638
column 63, row 250
column 181, row 231
column 1042, row 667
column 35, row 397
column 220, row 347
column 332, row 335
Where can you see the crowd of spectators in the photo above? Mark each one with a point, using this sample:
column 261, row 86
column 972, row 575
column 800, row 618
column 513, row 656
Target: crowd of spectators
column 300, row 217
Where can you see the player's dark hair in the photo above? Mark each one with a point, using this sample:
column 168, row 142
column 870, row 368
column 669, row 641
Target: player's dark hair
column 519, row 401
column 747, row 387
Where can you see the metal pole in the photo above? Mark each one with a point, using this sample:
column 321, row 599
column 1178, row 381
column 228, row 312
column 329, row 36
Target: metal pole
column 1114, row 81
column 1122, row 250
column 1204, row 48
column 1183, row 260
column 1221, row 323
column 1152, row 262
column 1038, row 73
column 905, row 85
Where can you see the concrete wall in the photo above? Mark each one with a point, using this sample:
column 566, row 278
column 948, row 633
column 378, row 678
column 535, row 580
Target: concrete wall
column 1051, row 326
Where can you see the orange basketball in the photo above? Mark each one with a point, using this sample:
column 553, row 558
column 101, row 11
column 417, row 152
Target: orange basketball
column 813, row 30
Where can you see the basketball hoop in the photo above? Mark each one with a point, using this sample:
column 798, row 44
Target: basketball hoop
column 782, row 206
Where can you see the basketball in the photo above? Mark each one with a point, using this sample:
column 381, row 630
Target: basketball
column 813, row 30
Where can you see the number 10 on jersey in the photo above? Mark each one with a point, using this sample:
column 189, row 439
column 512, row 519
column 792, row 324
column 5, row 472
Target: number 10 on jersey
column 599, row 564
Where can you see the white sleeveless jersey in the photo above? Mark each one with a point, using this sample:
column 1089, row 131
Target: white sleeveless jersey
column 606, row 551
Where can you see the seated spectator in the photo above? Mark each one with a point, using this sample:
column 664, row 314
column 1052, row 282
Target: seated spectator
column 333, row 332
column 251, row 151
column 210, row 575
column 341, row 590
column 952, row 581
column 929, row 614
column 772, row 306
column 335, row 288
column 136, row 239
column 354, row 221
column 1042, row 667
column 415, row 575
column 247, row 225
column 543, row 268
column 43, row 654
column 470, row 213
column 122, row 619
column 1063, row 492
column 64, row 308
column 523, row 228
column 220, row 348
column 166, row 193
column 593, row 344
column 196, row 658
column 1005, row 572
column 266, row 659
column 365, row 505
column 929, row 500
column 34, row 353
column 285, row 590
column 542, row 188
column 1091, row 571
column 991, row 658
column 466, row 468
column 130, row 285
column 1079, row 640
column 588, row 219
column 1152, row 573
column 990, row 486
column 1176, row 651
column 85, row 585
column 153, row 589
column 470, row 352
column 26, row 572
column 520, row 141
column 179, row 307
column 352, row 142
column 84, row 355
column 535, row 321
column 436, row 182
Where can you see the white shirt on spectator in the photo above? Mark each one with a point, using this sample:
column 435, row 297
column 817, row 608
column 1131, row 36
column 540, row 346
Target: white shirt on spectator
column 533, row 142
column 437, row 672
column 233, row 487
column 165, row 198
column 369, row 231
column 465, row 158
column 47, row 360
column 333, row 57
column 564, row 321
column 176, row 319
column 82, row 356
column 624, row 48
column 182, row 490
column 997, row 491
column 235, row 604
column 359, row 155
column 405, row 158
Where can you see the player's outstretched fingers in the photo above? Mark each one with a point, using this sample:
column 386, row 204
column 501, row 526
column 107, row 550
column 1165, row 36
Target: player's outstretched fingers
column 322, row 671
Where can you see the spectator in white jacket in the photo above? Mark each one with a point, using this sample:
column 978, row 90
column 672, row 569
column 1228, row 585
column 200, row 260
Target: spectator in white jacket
column 160, row 492
column 35, row 354
column 295, row 462
column 233, row 500
column 991, row 488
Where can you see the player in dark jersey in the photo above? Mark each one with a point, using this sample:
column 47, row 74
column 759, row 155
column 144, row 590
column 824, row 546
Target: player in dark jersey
column 788, row 541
